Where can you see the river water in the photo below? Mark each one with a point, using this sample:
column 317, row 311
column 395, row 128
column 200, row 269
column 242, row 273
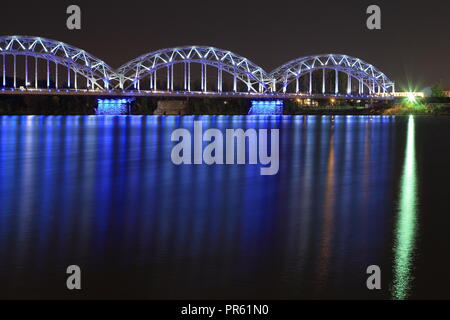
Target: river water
column 101, row 192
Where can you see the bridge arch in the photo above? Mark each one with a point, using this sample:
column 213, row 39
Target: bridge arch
column 242, row 71
column 369, row 80
column 77, row 62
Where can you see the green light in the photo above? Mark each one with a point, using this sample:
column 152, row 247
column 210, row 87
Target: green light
column 406, row 221
column 411, row 98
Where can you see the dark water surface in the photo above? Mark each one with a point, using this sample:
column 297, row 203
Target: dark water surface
column 102, row 193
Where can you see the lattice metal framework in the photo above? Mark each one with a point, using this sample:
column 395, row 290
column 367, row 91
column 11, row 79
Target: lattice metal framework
column 253, row 78
column 365, row 73
column 242, row 69
column 98, row 74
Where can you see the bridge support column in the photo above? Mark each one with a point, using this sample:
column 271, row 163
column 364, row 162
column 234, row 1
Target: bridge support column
column 171, row 77
column 349, row 84
column 26, row 71
column 189, row 77
column 113, row 106
column 155, row 82
column 151, row 81
column 206, row 79
column 235, row 82
column 36, row 72
column 68, row 77
column 172, row 107
column 15, row 74
column 204, row 76
column 48, row 74
column 4, row 70
column 219, row 79
column 168, row 79
column 323, row 81
column 297, row 86
column 56, row 75
column 185, row 77
column 270, row 107
column 310, row 83
column 336, row 82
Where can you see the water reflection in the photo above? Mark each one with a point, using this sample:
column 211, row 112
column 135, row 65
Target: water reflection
column 406, row 228
column 328, row 212
column 102, row 192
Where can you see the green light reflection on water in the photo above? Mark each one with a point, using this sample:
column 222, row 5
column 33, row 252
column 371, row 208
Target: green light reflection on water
column 406, row 226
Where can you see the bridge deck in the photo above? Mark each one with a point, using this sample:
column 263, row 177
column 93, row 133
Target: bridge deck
column 187, row 94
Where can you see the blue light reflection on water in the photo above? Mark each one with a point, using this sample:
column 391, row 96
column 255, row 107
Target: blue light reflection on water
column 102, row 192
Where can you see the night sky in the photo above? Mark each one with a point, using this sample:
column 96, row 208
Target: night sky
column 412, row 48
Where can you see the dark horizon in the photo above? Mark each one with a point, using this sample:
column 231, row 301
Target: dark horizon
column 411, row 48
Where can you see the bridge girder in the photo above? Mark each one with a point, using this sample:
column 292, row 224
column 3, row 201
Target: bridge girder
column 255, row 79
column 354, row 67
column 245, row 71
column 78, row 60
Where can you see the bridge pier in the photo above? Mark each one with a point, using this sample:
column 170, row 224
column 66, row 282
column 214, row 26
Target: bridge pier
column 113, row 106
column 266, row 107
column 172, row 107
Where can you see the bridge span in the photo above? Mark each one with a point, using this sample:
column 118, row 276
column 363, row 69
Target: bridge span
column 188, row 94
column 39, row 66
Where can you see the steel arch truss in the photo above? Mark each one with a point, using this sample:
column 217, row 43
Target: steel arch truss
column 367, row 74
column 253, row 76
column 79, row 61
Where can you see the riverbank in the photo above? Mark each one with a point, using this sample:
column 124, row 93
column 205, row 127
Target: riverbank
column 439, row 109
column 434, row 109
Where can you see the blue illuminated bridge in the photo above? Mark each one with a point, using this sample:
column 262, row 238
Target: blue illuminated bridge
column 34, row 65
